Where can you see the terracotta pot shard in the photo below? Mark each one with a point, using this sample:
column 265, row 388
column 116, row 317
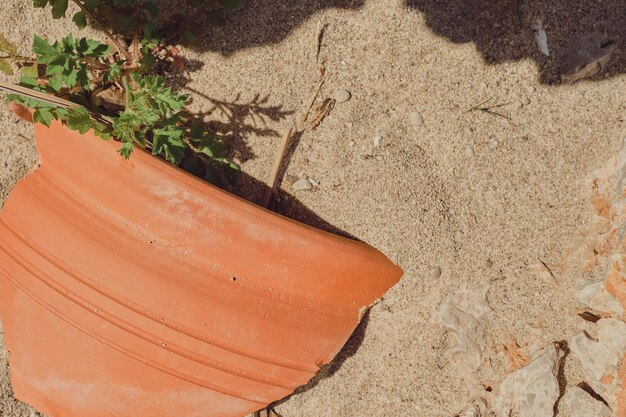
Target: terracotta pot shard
column 130, row 288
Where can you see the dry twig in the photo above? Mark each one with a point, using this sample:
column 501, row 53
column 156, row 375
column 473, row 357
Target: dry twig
column 305, row 115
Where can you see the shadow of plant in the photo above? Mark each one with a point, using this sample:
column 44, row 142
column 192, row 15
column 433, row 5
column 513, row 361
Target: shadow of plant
column 242, row 119
column 503, row 30
column 258, row 23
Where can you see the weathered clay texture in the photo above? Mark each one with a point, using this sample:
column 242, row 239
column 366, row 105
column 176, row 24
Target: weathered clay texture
column 158, row 295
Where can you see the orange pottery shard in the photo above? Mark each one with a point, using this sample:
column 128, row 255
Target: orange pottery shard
column 130, row 288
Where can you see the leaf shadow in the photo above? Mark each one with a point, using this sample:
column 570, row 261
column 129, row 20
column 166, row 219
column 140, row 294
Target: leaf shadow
column 237, row 120
column 257, row 23
column 502, row 31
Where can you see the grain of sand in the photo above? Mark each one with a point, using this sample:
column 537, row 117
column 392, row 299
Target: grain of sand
column 478, row 196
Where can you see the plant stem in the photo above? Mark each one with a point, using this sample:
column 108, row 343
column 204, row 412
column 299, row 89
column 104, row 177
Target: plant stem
column 97, row 64
column 20, row 58
column 136, row 36
column 54, row 100
column 119, row 47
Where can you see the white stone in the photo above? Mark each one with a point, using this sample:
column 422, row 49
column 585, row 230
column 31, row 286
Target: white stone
column 342, row 96
column 596, row 297
column 532, row 390
column 378, row 140
column 303, row 184
column 416, row 119
column 578, row 403
column 541, row 37
column 465, row 314
column 601, row 358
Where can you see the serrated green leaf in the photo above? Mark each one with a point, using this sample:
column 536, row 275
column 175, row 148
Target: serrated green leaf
column 40, row 3
column 147, row 61
column 30, row 82
column 6, row 46
column 56, row 82
column 43, row 116
column 80, row 19
column 113, row 72
column 126, row 150
column 51, row 59
column 29, row 71
column 59, row 113
column 174, row 150
column 78, row 119
column 42, row 47
column 68, row 44
column 95, row 48
column 83, row 77
column 54, row 69
column 28, row 101
column 207, row 151
column 69, row 62
column 5, row 66
column 70, row 79
column 59, row 7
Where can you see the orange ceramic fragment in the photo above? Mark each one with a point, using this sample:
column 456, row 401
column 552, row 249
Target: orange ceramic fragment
column 129, row 288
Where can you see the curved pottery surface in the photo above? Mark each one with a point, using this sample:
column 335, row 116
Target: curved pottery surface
column 129, row 288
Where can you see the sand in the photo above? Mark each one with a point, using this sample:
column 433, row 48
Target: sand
column 479, row 196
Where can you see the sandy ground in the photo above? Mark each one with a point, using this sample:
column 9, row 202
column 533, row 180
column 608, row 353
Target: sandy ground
column 481, row 197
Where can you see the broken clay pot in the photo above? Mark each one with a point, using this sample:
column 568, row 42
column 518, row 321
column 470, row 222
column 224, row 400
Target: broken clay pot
column 130, row 288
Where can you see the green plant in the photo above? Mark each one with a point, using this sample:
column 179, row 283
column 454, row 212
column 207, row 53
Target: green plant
column 119, row 89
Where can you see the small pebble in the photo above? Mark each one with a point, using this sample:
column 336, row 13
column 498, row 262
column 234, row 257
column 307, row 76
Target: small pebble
column 342, row 96
column 314, row 182
column 416, row 119
column 302, row 184
column 351, row 143
column 518, row 105
column 531, row 89
column 489, row 263
column 378, row 140
column 435, row 273
column 379, row 157
column 526, row 101
column 469, row 152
